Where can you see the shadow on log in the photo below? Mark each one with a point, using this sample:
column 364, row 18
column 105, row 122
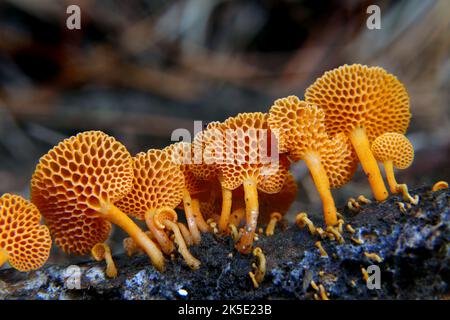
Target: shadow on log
column 413, row 246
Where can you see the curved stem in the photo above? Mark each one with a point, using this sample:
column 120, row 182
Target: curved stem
column 395, row 186
column 192, row 262
column 117, row 217
column 369, row 164
column 111, row 270
column 251, row 216
column 161, row 236
column 190, row 217
column 321, row 181
column 274, row 218
column 227, row 196
column 3, row 257
column 186, row 234
column 390, row 176
column 201, row 224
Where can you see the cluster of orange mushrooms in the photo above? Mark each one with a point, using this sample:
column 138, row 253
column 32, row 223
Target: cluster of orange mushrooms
column 89, row 181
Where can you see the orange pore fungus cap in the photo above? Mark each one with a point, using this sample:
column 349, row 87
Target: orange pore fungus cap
column 274, row 182
column 202, row 167
column 73, row 180
column 157, row 183
column 301, row 129
column 302, row 132
column 25, row 241
column 181, row 153
column 245, row 149
column 393, row 147
column 361, row 96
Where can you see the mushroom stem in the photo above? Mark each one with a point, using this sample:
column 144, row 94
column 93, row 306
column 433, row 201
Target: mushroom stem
column 390, row 176
column 192, row 262
column 3, row 257
column 111, row 213
column 201, row 224
column 166, row 244
column 369, row 164
column 396, row 187
column 186, row 234
column 101, row 251
column 322, row 184
column 251, row 216
column 274, row 218
column 227, row 195
column 190, row 217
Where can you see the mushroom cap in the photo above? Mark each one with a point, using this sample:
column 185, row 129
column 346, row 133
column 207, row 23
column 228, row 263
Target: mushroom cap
column 301, row 128
column 277, row 202
column 273, row 183
column 181, row 153
column 24, row 239
column 361, row 96
column 73, row 179
column 395, row 147
column 158, row 182
column 245, row 154
column 200, row 167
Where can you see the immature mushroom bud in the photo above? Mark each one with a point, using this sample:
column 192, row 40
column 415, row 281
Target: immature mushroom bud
column 330, row 160
column 394, row 150
column 101, row 251
column 260, row 268
column 75, row 186
column 24, row 242
column 274, row 218
column 363, row 103
column 246, row 144
column 440, row 185
column 158, row 185
column 167, row 218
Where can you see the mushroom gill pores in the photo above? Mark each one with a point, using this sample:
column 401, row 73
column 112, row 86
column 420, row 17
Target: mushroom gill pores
column 157, row 189
column 302, row 134
column 75, row 186
column 24, row 242
column 362, row 103
column 246, row 160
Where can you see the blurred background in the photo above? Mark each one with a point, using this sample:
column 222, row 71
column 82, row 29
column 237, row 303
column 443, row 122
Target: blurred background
column 140, row 69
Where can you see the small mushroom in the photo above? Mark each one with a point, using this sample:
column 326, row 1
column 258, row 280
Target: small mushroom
column 274, row 218
column 167, row 218
column 260, row 268
column 394, row 150
column 245, row 165
column 24, row 243
column 158, row 186
column 302, row 133
column 100, row 252
column 440, row 185
column 363, row 103
column 76, row 185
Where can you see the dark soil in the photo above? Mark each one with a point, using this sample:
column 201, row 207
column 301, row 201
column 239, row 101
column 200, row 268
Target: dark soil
column 413, row 246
